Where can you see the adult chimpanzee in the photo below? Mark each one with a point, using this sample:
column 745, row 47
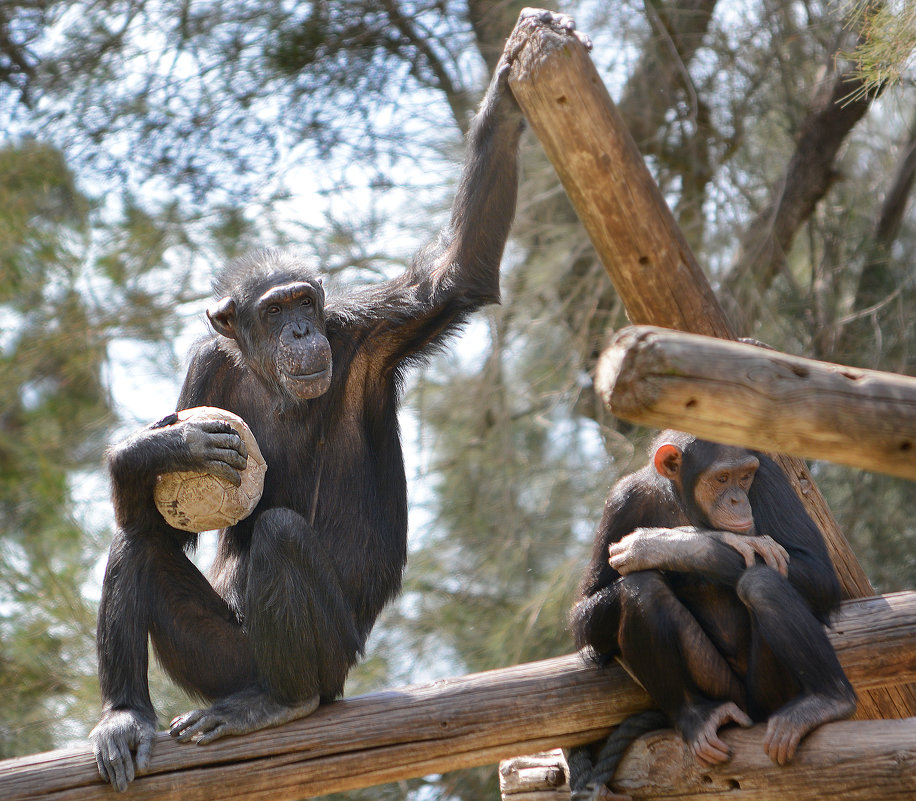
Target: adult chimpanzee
column 711, row 582
column 298, row 585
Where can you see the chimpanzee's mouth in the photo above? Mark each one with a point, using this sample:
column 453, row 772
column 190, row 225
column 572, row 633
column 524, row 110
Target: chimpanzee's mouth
column 308, row 376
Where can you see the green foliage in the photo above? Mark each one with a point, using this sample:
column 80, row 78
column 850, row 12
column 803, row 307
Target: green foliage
column 885, row 50
column 53, row 415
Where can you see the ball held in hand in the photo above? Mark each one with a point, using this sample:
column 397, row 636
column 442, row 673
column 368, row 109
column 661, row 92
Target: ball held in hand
column 195, row 501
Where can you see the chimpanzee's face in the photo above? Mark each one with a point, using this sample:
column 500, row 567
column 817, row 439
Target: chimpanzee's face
column 721, row 490
column 280, row 332
column 292, row 318
column 712, row 481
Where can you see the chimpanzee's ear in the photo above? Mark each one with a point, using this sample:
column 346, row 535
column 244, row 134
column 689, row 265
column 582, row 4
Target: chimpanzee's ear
column 222, row 317
column 667, row 460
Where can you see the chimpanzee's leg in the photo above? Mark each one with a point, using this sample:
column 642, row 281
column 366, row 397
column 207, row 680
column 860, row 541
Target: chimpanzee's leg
column 783, row 624
column 300, row 622
column 197, row 638
column 301, row 629
column 678, row 664
column 151, row 587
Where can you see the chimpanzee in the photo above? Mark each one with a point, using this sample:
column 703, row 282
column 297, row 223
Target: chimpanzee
column 711, row 581
column 297, row 586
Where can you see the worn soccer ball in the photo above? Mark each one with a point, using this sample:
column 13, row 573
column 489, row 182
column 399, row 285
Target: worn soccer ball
column 194, row 501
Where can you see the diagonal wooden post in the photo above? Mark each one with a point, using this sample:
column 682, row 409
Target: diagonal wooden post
column 638, row 240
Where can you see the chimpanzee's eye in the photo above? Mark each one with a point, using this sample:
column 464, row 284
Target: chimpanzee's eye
column 273, row 309
column 306, row 301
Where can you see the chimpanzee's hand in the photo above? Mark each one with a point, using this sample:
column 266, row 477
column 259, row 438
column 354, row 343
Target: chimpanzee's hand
column 119, row 732
column 561, row 23
column 636, row 551
column 752, row 546
column 211, row 446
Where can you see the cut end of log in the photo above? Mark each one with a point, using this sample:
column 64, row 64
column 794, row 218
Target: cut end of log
column 534, row 40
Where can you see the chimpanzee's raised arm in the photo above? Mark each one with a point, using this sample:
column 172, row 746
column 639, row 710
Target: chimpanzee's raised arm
column 459, row 271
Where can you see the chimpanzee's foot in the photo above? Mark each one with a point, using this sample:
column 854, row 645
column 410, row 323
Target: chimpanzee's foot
column 699, row 725
column 788, row 725
column 240, row 713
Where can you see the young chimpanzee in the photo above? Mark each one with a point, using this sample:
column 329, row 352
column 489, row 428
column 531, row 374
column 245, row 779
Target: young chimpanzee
column 711, row 582
column 297, row 586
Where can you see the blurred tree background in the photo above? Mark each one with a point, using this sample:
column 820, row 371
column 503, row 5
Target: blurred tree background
column 147, row 141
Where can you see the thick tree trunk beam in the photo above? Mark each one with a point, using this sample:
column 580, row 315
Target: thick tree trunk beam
column 433, row 728
column 745, row 395
column 870, row 760
column 607, row 181
column 861, row 761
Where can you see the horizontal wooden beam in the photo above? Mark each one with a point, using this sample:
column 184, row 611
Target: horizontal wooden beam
column 862, row 760
column 433, row 728
column 872, row 760
column 741, row 394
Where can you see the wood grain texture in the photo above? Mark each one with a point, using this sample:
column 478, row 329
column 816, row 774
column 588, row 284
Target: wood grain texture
column 745, row 395
column 868, row 761
column 610, row 186
column 872, row 760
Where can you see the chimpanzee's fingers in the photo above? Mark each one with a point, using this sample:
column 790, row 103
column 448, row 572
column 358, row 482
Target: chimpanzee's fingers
column 711, row 751
column 222, row 470
column 144, row 751
column 101, row 762
column 229, row 441
column 120, row 766
column 618, row 556
column 181, row 723
column 221, row 730
column 742, row 545
column 780, row 743
column 230, row 455
column 774, row 555
column 748, row 552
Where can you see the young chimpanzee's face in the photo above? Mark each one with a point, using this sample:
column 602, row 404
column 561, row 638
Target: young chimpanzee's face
column 721, row 490
column 712, row 481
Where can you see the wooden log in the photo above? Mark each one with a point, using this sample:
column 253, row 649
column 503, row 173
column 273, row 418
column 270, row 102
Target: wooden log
column 866, row 761
column 433, row 728
column 745, row 395
column 639, row 242
column 636, row 236
column 537, row 777
column 871, row 760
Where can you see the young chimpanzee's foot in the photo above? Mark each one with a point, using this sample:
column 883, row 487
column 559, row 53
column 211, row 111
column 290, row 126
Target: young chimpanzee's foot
column 699, row 725
column 788, row 725
column 240, row 713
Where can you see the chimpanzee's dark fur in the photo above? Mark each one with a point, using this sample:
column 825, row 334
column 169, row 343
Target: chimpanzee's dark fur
column 297, row 586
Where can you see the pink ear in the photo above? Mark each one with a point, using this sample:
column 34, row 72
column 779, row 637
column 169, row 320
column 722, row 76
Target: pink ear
column 667, row 460
column 222, row 317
